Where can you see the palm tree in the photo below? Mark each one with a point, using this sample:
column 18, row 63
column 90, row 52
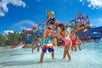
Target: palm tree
column 2, row 40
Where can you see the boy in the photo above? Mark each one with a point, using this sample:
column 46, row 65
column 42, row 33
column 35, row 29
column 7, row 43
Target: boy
column 47, row 44
column 36, row 43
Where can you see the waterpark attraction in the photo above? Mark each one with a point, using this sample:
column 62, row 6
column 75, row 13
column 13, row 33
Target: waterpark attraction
column 80, row 25
column 88, row 57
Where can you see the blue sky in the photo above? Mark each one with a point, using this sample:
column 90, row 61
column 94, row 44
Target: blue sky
column 16, row 15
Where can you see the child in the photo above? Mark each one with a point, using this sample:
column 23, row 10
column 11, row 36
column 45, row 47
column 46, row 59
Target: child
column 47, row 44
column 74, row 41
column 79, row 42
column 36, row 43
column 64, row 36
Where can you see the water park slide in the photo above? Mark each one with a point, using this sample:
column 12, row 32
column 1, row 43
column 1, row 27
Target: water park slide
column 21, row 45
column 79, row 23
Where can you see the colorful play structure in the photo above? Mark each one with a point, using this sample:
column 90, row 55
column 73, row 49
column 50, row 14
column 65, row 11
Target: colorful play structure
column 80, row 25
column 38, row 30
column 91, row 33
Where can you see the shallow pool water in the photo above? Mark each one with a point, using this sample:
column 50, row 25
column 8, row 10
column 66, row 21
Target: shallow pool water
column 89, row 57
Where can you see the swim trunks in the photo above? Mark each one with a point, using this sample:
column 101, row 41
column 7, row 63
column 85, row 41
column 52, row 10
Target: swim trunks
column 47, row 45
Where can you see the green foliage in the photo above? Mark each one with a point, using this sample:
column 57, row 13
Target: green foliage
column 23, row 35
column 11, row 38
column 2, row 40
column 14, row 38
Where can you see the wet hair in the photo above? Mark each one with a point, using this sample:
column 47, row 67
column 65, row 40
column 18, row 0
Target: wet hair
column 51, row 23
column 61, row 26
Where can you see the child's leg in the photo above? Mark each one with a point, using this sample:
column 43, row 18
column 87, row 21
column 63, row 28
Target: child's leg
column 67, row 51
column 64, row 54
column 79, row 46
column 52, row 54
column 75, row 48
column 37, row 49
column 41, row 57
column 72, row 48
column 33, row 47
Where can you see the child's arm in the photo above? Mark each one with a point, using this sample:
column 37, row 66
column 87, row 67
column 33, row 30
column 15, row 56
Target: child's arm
column 59, row 35
column 54, row 34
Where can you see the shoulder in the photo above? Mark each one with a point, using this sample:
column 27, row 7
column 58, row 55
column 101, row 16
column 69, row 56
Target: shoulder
column 46, row 30
column 64, row 31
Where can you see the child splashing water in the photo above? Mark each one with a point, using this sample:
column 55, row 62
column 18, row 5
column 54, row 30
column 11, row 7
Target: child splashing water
column 36, row 43
column 64, row 36
column 47, row 43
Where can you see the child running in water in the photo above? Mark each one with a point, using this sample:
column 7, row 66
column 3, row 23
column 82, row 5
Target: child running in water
column 64, row 36
column 47, row 43
column 36, row 43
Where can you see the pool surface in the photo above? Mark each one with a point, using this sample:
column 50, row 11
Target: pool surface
column 89, row 57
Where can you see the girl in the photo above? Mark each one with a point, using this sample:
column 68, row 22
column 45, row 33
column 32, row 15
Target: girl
column 64, row 36
column 74, row 41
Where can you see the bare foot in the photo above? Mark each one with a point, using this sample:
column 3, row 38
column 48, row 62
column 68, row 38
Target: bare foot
column 69, row 60
column 40, row 61
column 32, row 52
column 63, row 58
column 80, row 49
column 53, row 58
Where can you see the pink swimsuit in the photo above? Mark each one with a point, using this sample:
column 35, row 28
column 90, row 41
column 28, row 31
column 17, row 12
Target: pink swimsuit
column 67, row 41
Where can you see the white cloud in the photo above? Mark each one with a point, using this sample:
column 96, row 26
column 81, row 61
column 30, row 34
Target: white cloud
column 7, row 31
column 99, row 20
column 93, row 3
column 24, row 24
column 4, row 5
column 24, row 27
column 96, row 22
column 2, row 14
column 21, row 25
